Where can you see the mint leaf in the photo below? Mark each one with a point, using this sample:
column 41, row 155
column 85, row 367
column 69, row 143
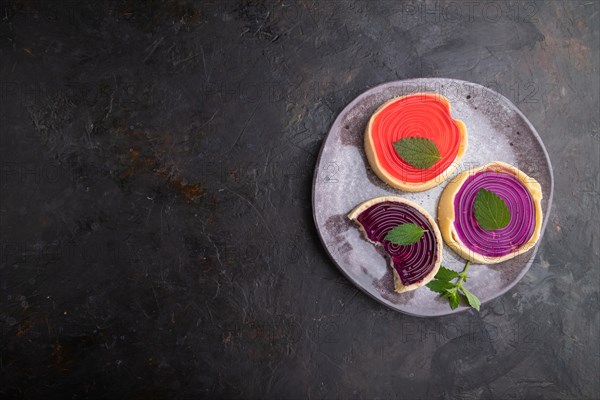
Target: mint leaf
column 453, row 298
column 419, row 152
column 405, row 234
column 440, row 286
column 446, row 274
column 471, row 298
column 491, row 211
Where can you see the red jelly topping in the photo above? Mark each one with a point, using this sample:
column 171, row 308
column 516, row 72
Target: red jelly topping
column 419, row 115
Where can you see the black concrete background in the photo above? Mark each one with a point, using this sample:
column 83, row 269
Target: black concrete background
column 156, row 228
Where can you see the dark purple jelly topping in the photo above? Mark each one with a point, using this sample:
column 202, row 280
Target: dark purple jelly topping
column 499, row 242
column 412, row 262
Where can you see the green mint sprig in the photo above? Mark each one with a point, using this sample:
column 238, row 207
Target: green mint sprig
column 453, row 291
column 419, row 152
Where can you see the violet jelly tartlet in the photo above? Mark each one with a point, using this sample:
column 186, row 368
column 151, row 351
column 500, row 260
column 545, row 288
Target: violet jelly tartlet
column 491, row 214
column 410, row 237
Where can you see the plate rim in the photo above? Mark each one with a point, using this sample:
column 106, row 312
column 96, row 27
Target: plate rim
column 337, row 122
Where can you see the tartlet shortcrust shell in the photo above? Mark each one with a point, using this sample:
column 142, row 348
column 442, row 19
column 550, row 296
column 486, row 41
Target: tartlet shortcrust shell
column 446, row 213
column 398, row 285
column 412, row 186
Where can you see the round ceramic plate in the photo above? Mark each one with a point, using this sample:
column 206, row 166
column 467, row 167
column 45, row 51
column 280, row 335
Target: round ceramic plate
column 497, row 131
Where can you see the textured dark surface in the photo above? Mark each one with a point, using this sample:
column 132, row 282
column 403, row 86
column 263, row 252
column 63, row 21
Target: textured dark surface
column 156, row 230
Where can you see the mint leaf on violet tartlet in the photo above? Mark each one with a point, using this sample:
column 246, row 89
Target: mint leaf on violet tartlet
column 405, row 234
column 491, row 212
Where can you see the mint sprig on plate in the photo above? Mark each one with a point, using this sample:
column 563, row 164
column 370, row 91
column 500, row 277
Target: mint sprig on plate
column 491, row 212
column 419, row 152
column 453, row 291
column 405, row 234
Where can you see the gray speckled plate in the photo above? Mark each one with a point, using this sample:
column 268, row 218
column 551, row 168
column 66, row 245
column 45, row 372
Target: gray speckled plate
column 497, row 131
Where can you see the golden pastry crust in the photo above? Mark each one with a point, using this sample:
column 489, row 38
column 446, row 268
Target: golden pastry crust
column 412, row 186
column 446, row 214
column 398, row 285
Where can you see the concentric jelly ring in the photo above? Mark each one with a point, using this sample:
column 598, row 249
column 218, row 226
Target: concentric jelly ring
column 500, row 242
column 420, row 115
